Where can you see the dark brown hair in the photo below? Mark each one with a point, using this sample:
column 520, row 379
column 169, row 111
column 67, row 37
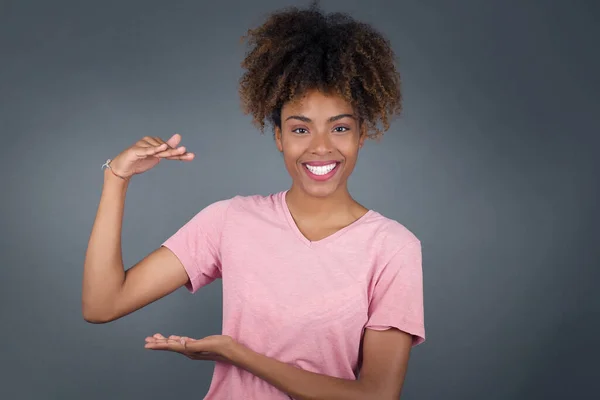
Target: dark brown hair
column 297, row 50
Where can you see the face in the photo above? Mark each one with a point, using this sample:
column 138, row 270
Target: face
column 320, row 138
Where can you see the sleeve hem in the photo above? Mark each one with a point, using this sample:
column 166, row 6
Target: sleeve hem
column 188, row 264
column 416, row 330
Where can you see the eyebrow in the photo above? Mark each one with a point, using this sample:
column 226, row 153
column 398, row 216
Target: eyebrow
column 332, row 119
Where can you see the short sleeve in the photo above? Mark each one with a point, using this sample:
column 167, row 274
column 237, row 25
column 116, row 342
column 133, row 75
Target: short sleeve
column 397, row 298
column 197, row 245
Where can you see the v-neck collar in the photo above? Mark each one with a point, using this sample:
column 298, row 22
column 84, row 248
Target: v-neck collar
column 304, row 239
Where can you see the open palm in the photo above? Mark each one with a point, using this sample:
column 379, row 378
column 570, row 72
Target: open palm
column 212, row 348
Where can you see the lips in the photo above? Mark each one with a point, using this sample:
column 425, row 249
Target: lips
column 320, row 163
column 321, row 170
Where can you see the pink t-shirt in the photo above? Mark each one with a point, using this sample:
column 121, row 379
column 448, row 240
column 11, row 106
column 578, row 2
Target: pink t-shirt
column 301, row 302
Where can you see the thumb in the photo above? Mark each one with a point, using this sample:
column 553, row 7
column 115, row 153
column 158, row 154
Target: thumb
column 186, row 341
column 174, row 141
column 200, row 346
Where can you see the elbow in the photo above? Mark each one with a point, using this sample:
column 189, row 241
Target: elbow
column 94, row 319
column 93, row 315
column 377, row 396
column 381, row 396
column 377, row 391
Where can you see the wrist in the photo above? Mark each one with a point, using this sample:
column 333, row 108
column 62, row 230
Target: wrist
column 236, row 353
column 107, row 165
column 112, row 179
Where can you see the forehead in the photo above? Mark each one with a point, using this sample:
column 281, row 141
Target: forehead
column 317, row 103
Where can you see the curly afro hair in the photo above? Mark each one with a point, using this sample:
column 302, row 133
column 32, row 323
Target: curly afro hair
column 298, row 50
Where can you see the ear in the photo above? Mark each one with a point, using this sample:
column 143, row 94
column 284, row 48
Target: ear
column 278, row 139
column 363, row 136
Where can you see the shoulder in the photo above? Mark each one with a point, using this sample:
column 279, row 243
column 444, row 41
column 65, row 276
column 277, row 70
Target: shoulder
column 389, row 230
column 241, row 207
column 389, row 236
column 236, row 211
column 257, row 205
column 256, row 202
column 242, row 203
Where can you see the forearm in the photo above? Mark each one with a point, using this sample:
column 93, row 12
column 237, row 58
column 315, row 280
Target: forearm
column 103, row 273
column 298, row 383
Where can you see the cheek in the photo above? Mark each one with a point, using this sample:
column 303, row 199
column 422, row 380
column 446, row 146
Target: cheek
column 290, row 162
column 349, row 149
column 291, row 154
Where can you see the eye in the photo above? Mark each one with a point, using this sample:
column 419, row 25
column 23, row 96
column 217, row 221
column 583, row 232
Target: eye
column 341, row 129
column 300, row 131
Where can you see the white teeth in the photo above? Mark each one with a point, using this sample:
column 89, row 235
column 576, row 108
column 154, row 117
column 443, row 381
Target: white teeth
column 322, row 169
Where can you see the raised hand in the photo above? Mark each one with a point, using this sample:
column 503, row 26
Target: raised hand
column 147, row 153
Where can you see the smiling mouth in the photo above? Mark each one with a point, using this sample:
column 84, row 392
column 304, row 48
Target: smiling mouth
column 321, row 170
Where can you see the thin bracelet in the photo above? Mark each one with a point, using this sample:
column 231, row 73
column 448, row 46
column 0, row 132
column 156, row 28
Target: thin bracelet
column 107, row 165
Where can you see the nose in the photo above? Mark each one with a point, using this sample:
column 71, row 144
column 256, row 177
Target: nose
column 321, row 144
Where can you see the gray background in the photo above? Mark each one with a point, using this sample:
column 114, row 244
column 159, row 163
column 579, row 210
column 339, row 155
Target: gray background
column 491, row 166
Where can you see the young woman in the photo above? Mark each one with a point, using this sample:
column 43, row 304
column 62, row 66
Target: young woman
column 322, row 297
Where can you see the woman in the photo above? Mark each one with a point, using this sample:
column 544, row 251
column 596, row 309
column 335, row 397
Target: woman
column 322, row 297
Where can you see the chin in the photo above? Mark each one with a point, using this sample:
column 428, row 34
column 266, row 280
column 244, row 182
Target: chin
column 320, row 190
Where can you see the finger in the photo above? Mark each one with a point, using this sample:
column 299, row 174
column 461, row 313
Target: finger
column 174, row 337
column 158, row 336
column 175, row 344
column 152, row 141
column 174, row 140
column 183, row 157
column 143, row 143
column 156, row 345
column 160, row 141
column 147, row 141
column 161, row 347
column 168, row 152
column 176, row 154
column 185, row 340
column 197, row 346
column 143, row 152
column 172, row 143
column 173, row 152
column 164, row 344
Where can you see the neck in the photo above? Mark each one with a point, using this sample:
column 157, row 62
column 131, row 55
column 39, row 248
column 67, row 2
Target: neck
column 306, row 205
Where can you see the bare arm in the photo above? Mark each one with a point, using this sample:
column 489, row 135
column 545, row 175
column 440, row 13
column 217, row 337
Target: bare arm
column 108, row 292
column 385, row 361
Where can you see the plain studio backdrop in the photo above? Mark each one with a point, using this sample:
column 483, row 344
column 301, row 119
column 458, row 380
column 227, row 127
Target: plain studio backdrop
column 491, row 165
